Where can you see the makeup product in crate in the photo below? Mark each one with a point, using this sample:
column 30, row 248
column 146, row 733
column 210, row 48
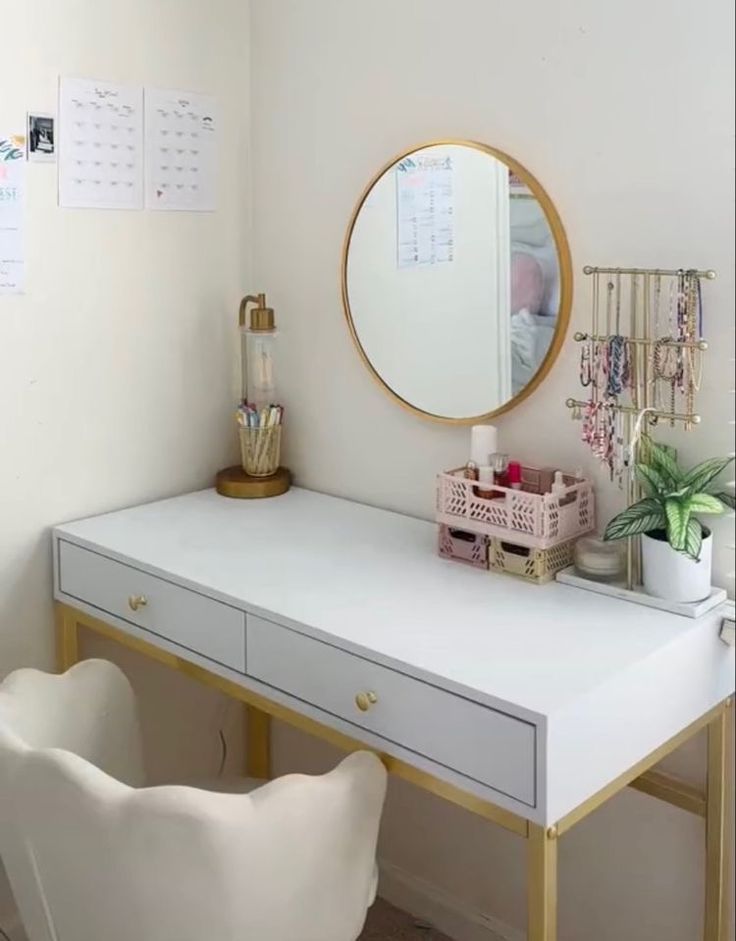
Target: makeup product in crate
column 471, row 471
column 515, row 476
column 500, row 465
column 486, row 479
column 483, row 443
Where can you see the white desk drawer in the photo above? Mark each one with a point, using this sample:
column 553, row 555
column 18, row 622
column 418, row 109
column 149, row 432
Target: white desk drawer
column 200, row 624
column 488, row 746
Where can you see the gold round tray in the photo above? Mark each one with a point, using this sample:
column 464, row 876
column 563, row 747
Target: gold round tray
column 234, row 482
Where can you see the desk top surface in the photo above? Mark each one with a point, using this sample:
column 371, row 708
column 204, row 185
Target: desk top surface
column 371, row 581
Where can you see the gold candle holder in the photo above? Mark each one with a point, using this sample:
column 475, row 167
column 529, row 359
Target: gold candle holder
column 259, row 473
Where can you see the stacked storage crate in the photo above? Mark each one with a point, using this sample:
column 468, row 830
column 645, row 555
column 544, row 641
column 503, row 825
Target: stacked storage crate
column 526, row 532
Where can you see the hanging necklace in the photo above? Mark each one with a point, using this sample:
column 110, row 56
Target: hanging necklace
column 667, row 368
column 588, row 365
column 633, row 349
column 610, row 288
column 618, row 366
column 596, row 302
column 657, row 302
column 694, row 327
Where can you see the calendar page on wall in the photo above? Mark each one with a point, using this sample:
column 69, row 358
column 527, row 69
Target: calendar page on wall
column 181, row 151
column 100, row 145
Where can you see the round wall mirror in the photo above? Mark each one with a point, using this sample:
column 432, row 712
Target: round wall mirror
column 457, row 282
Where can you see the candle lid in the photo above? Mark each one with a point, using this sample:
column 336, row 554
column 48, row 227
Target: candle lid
column 262, row 318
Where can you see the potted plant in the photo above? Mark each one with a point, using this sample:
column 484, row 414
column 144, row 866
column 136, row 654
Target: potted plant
column 677, row 550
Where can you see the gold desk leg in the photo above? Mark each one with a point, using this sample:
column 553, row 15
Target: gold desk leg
column 716, row 826
column 258, row 743
column 67, row 639
column 542, row 871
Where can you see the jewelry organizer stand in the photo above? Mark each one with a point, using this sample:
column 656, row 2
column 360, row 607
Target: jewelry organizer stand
column 641, row 361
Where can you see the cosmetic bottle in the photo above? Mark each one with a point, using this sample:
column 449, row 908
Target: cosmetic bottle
column 515, row 475
column 471, row 471
column 485, row 482
column 483, row 443
column 500, row 465
column 546, row 479
column 559, row 486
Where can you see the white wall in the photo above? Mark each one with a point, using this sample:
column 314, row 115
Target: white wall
column 117, row 366
column 624, row 112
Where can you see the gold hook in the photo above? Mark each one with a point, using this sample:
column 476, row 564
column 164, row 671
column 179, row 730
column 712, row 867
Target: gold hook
column 258, row 299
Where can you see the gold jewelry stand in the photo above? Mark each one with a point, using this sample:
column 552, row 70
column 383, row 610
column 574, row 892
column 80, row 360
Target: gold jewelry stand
column 645, row 337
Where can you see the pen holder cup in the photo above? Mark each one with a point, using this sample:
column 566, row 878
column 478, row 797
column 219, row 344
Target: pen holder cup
column 260, row 449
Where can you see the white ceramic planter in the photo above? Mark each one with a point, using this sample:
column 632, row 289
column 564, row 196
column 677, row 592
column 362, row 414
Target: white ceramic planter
column 673, row 575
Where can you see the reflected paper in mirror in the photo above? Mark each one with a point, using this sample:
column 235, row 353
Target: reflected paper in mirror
column 453, row 280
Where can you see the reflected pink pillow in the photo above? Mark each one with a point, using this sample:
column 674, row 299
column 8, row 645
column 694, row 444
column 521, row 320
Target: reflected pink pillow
column 527, row 283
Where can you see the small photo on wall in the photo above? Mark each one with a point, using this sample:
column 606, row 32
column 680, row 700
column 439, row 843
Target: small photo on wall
column 41, row 137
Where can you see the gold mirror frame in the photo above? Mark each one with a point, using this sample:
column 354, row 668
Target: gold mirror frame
column 566, row 281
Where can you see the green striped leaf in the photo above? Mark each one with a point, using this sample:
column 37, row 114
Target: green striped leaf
column 705, row 503
column 652, row 479
column 694, row 539
column 664, row 459
column 642, row 517
column 699, row 478
column 678, row 516
column 728, row 499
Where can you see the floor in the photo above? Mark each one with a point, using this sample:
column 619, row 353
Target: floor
column 386, row 923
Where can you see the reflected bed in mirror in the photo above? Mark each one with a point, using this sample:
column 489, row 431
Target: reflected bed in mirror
column 457, row 281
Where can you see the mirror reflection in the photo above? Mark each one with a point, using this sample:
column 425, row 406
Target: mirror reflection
column 453, row 280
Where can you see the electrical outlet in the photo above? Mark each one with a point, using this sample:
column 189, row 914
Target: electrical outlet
column 728, row 624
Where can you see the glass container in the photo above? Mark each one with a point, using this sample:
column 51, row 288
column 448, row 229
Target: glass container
column 598, row 560
column 258, row 353
column 260, row 370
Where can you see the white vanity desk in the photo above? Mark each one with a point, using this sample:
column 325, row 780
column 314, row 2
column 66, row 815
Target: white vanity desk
column 529, row 705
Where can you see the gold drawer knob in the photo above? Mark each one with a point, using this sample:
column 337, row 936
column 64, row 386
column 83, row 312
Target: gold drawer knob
column 137, row 601
column 364, row 701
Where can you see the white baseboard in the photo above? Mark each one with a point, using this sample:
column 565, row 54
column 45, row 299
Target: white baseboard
column 440, row 909
column 410, row 893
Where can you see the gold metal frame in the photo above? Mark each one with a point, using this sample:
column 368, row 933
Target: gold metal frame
column 542, row 842
column 566, row 281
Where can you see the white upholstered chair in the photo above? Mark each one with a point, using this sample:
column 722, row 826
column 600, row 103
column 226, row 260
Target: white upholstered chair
column 93, row 854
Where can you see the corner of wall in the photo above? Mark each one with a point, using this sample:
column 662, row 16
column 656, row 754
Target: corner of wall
column 441, row 909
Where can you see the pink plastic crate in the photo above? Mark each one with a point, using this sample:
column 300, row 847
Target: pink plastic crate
column 540, row 520
column 462, row 546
